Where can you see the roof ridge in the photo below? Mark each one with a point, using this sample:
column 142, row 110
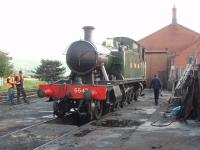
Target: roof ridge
column 154, row 32
column 177, row 24
column 189, row 29
column 186, row 47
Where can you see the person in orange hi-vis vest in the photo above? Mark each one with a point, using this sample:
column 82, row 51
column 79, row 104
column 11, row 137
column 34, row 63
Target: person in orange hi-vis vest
column 10, row 86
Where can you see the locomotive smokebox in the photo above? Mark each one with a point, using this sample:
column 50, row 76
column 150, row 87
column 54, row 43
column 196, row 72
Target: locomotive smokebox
column 88, row 33
column 84, row 56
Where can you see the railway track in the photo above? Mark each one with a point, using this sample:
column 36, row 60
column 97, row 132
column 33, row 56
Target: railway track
column 21, row 116
column 49, row 134
column 78, row 132
column 24, row 128
column 30, row 93
column 39, row 134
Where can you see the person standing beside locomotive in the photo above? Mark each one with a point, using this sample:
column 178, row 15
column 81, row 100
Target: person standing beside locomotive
column 20, row 87
column 156, row 85
column 10, row 86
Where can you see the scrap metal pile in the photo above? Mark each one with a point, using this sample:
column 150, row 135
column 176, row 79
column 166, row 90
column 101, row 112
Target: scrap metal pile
column 186, row 97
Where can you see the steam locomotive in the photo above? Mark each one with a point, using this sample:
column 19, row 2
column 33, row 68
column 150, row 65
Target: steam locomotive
column 103, row 77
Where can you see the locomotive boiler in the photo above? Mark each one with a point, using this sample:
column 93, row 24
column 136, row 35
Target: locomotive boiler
column 103, row 77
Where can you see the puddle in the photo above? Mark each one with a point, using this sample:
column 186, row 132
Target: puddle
column 117, row 123
column 60, row 121
column 135, row 109
column 156, row 147
column 83, row 133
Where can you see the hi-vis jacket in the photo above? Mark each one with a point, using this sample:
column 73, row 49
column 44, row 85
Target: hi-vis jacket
column 10, row 82
column 19, row 80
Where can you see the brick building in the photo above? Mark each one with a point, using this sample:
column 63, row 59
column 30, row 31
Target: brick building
column 173, row 45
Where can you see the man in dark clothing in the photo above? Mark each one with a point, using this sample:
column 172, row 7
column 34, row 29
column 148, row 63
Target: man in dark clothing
column 20, row 87
column 156, row 85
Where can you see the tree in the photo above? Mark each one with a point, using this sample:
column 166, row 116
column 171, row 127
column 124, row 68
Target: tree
column 49, row 70
column 5, row 65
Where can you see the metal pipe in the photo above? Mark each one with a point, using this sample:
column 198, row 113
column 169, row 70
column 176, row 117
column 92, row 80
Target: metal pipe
column 88, row 33
column 104, row 73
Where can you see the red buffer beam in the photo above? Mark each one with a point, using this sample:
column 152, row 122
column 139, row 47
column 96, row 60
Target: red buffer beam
column 76, row 92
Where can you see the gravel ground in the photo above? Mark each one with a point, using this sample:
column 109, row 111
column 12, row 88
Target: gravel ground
column 138, row 126
column 23, row 115
column 28, row 126
column 131, row 129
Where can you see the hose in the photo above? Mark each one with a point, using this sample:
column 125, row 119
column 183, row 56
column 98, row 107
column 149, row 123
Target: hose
column 162, row 125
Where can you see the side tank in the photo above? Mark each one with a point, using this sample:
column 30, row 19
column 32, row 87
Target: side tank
column 127, row 59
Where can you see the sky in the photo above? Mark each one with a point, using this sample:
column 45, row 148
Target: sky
column 43, row 29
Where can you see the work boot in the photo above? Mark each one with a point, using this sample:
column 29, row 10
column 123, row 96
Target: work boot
column 156, row 102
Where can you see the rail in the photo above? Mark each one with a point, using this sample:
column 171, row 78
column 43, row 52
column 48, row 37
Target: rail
column 30, row 93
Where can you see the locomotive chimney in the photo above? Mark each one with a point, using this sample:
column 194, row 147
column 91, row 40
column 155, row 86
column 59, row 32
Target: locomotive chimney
column 88, row 33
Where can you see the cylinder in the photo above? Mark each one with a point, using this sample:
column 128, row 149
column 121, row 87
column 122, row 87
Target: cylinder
column 88, row 33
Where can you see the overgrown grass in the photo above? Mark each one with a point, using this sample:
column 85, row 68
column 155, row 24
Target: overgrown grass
column 29, row 83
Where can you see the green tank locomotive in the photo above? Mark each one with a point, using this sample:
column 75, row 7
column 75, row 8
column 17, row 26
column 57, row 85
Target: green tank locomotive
column 103, row 77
